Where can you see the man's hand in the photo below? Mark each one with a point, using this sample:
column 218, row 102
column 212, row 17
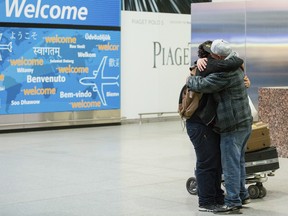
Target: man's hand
column 201, row 64
column 247, row 81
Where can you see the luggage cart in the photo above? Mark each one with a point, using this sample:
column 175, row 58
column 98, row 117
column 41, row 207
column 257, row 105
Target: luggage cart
column 259, row 165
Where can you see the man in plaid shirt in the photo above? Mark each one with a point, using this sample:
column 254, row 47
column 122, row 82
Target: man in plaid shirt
column 233, row 121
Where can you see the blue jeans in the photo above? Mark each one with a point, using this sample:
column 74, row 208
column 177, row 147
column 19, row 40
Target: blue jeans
column 208, row 171
column 233, row 146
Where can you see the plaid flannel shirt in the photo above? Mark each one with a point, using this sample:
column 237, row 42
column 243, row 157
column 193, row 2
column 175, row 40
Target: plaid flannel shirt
column 229, row 91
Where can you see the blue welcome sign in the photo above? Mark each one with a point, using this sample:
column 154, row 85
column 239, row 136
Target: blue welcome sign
column 55, row 70
column 72, row 12
column 59, row 70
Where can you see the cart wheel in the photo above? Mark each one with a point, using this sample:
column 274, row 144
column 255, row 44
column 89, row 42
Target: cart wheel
column 262, row 192
column 253, row 191
column 191, row 185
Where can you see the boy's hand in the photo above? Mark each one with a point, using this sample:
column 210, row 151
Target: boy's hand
column 201, row 64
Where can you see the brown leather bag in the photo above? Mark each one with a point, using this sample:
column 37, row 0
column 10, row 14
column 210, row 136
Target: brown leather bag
column 188, row 100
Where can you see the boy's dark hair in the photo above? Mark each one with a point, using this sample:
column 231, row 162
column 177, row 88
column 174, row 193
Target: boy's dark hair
column 201, row 52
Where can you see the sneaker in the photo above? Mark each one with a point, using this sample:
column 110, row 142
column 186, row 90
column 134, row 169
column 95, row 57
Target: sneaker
column 225, row 208
column 207, row 208
column 246, row 201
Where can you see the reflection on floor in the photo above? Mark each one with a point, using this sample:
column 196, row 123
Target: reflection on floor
column 124, row 170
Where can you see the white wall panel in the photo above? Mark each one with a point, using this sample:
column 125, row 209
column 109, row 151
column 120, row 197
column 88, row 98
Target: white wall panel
column 152, row 77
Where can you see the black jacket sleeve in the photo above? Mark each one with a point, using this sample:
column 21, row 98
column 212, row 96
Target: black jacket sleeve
column 216, row 65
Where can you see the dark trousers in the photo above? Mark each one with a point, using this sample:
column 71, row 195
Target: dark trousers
column 208, row 171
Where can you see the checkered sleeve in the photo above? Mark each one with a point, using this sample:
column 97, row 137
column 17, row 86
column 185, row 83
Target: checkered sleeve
column 212, row 83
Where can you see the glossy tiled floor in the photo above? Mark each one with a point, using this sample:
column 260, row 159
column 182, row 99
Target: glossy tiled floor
column 131, row 170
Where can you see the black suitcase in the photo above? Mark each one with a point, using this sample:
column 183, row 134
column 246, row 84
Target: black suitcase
column 263, row 160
